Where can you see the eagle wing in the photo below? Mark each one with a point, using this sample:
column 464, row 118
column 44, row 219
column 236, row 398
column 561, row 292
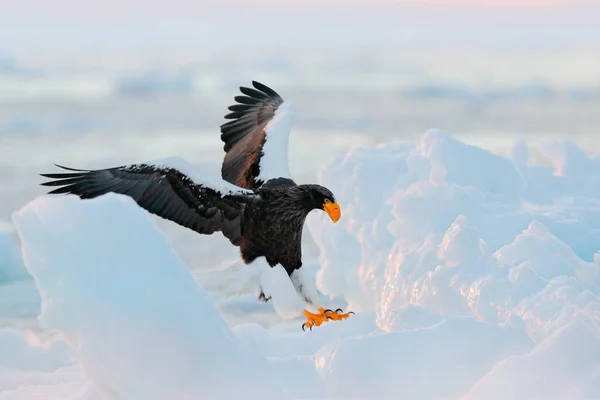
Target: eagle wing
column 168, row 188
column 256, row 140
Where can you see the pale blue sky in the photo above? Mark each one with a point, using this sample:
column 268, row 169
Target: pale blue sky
column 112, row 25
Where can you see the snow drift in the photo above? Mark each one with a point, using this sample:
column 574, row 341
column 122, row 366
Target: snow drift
column 476, row 276
column 11, row 263
column 140, row 325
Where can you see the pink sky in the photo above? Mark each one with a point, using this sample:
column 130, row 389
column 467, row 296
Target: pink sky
column 79, row 8
column 493, row 3
column 41, row 5
column 73, row 25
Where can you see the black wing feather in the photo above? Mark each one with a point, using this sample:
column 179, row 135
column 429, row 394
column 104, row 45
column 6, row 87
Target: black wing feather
column 255, row 94
column 246, row 100
column 265, row 89
column 163, row 191
column 245, row 135
column 239, row 107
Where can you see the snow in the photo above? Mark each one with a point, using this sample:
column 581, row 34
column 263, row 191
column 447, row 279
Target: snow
column 127, row 305
column 565, row 366
column 274, row 160
column 451, row 354
column 11, row 263
column 34, row 368
column 473, row 276
column 29, row 352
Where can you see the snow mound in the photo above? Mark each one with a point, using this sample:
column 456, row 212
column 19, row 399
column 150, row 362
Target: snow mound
column 65, row 383
column 440, row 229
column 26, row 351
column 473, row 275
column 31, row 368
column 565, row 366
column 114, row 289
column 453, row 355
column 11, row 263
column 454, row 228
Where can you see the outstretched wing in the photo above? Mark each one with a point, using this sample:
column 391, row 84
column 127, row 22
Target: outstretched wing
column 169, row 188
column 256, row 141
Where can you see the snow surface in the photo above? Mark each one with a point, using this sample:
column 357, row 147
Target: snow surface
column 473, row 276
column 126, row 304
column 11, row 263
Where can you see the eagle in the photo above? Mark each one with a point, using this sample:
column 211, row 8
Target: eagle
column 255, row 203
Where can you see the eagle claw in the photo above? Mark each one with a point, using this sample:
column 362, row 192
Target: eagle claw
column 338, row 314
column 263, row 299
column 324, row 315
column 314, row 319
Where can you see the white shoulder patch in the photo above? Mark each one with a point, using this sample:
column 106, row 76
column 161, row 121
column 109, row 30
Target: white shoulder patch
column 274, row 160
column 198, row 175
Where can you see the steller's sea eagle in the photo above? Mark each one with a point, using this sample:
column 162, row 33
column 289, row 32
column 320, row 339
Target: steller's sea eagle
column 256, row 204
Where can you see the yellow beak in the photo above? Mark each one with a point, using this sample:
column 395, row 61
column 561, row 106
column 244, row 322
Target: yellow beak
column 333, row 210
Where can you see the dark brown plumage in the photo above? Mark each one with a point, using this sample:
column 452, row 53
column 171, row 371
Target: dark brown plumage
column 163, row 191
column 260, row 210
column 245, row 136
column 257, row 205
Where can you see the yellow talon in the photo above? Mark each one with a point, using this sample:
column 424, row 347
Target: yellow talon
column 337, row 315
column 323, row 316
column 314, row 319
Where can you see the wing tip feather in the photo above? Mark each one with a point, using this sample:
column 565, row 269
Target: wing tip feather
column 265, row 89
column 243, row 134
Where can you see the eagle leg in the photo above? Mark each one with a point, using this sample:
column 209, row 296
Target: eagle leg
column 314, row 319
column 263, row 299
column 337, row 315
